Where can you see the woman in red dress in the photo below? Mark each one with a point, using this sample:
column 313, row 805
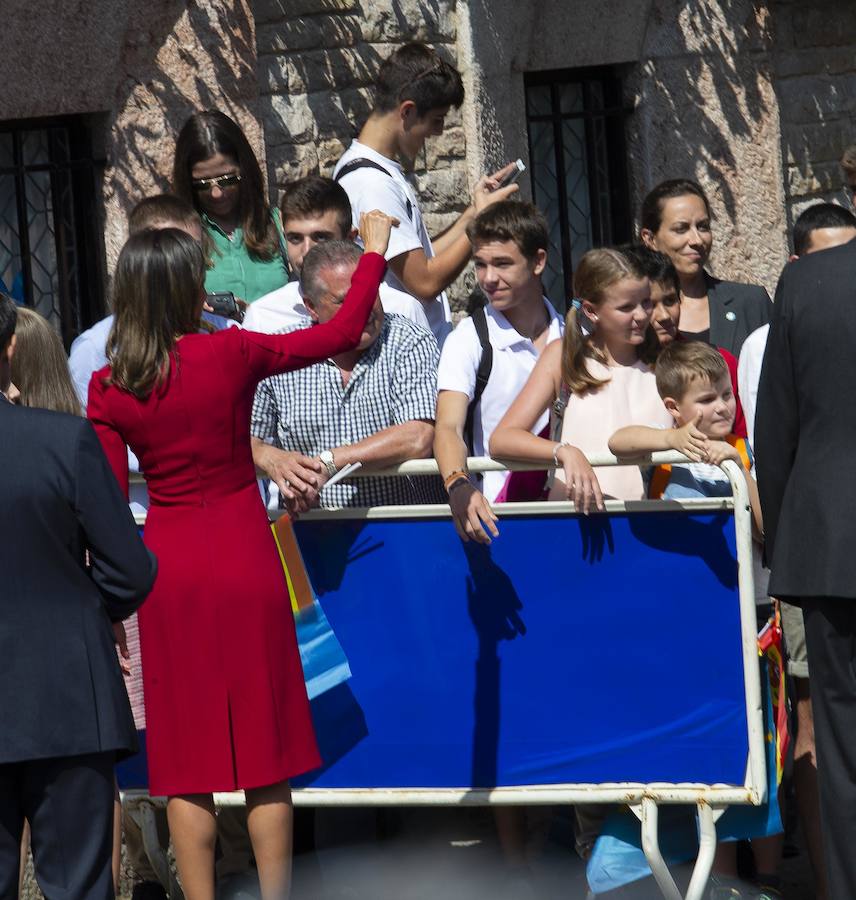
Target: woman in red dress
column 226, row 705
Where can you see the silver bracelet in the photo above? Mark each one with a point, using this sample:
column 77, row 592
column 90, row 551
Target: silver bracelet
column 556, row 450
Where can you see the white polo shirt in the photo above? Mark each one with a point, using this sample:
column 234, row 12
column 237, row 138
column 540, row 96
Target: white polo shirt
column 749, row 375
column 392, row 193
column 284, row 308
column 514, row 358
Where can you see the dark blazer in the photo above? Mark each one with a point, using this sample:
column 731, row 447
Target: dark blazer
column 736, row 310
column 61, row 689
column 805, row 429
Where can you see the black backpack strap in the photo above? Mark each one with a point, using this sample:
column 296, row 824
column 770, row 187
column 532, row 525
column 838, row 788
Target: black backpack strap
column 363, row 163
column 479, row 318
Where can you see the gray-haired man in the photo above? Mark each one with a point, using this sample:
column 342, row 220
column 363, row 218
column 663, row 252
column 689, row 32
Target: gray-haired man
column 373, row 405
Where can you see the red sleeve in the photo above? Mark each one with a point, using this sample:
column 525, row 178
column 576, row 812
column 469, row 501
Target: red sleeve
column 270, row 354
column 115, row 448
column 739, row 427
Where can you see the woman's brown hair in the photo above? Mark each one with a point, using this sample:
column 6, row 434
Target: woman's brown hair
column 598, row 270
column 157, row 298
column 40, row 366
column 206, row 134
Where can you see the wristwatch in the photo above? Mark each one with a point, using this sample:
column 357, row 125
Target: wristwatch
column 326, row 457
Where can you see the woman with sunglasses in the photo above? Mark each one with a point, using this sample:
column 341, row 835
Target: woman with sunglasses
column 216, row 170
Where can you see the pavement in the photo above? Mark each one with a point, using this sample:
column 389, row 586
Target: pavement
column 453, row 854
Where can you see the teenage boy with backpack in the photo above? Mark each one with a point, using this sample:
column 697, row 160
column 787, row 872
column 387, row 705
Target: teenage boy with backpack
column 414, row 91
column 486, row 360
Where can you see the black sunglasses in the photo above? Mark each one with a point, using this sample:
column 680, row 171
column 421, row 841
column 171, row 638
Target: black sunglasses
column 204, row 185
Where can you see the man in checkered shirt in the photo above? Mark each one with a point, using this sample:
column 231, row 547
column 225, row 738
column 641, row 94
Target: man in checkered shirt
column 374, row 404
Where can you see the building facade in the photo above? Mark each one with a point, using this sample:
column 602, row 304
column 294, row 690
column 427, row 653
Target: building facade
column 600, row 98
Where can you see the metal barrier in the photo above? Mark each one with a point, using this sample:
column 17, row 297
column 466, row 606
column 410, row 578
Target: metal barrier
column 482, row 770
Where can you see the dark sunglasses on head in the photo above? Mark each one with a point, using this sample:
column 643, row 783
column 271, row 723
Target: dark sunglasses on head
column 204, row 185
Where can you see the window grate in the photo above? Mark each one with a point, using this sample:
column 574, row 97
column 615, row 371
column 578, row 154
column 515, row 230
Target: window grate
column 50, row 247
column 575, row 120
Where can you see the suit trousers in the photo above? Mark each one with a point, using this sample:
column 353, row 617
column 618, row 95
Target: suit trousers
column 830, row 628
column 68, row 802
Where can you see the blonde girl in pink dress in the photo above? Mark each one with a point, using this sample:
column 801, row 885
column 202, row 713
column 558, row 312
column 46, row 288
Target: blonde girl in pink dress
column 605, row 361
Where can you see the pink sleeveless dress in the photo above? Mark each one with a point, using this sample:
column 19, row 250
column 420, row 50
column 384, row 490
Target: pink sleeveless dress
column 629, row 398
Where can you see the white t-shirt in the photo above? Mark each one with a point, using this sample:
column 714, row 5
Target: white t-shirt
column 749, row 374
column 284, row 308
column 514, row 358
column 369, row 189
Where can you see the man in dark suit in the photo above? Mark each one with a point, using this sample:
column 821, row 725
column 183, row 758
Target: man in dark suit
column 805, row 443
column 64, row 711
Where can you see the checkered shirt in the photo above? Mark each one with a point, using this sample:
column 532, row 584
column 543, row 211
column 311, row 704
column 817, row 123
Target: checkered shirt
column 393, row 382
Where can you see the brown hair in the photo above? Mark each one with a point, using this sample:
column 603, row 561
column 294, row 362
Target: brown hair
column 161, row 209
column 40, row 367
column 651, row 213
column 314, row 196
column 598, row 270
column 416, row 72
column 157, row 298
column 205, row 134
column 683, row 362
column 512, row 220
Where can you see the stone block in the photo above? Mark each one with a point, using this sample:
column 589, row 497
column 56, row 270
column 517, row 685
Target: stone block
column 409, row 20
column 824, row 23
column 675, row 28
column 269, row 12
column 339, row 114
column 288, row 119
column 810, row 98
column 815, row 61
column 443, row 190
column 329, row 153
column 442, row 151
column 813, row 179
column 309, row 33
column 821, row 142
column 292, row 161
column 334, row 69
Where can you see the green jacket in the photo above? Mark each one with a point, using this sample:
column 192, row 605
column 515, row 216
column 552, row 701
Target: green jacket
column 233, row 269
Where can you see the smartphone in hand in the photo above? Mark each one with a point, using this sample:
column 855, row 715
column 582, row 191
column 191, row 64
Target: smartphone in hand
column 514, row 174
column 223, row 303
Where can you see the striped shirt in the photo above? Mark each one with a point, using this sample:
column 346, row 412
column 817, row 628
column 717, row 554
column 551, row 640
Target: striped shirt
column 393, row 382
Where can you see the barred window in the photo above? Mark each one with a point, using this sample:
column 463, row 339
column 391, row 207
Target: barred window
column 51, row 248
column 575, row 120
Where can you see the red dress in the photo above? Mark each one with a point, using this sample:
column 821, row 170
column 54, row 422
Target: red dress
column 226, row 703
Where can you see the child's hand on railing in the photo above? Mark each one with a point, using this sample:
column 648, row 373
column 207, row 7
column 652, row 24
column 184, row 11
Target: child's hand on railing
column 472, row 514
column 690, row 441
column 719, row 451
column 581, row 484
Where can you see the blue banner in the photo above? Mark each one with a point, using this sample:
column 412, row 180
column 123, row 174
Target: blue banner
column 571, row 650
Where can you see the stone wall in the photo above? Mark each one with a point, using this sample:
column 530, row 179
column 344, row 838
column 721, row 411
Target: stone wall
column 705, row 108
column 814, row 65
column 176, row 59
column 317, row 61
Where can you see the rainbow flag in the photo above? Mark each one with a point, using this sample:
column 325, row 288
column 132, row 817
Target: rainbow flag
column 771, row 648
column 324, row 662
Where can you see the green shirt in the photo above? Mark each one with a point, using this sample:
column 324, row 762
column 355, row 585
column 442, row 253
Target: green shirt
column 233, row 269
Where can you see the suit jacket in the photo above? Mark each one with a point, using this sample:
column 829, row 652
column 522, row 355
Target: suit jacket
column 736, row 310
column 805, row 428
column 61, row 689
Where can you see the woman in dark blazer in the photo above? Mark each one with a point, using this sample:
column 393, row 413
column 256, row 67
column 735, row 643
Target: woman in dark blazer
column 675, row 219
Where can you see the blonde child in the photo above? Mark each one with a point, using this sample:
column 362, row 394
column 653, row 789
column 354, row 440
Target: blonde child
column 603, row 367
column 695, row 384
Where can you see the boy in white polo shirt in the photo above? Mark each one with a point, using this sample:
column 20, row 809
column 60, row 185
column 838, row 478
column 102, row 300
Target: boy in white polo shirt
column 509, row 242
column 316, row 209
column 414, row 91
